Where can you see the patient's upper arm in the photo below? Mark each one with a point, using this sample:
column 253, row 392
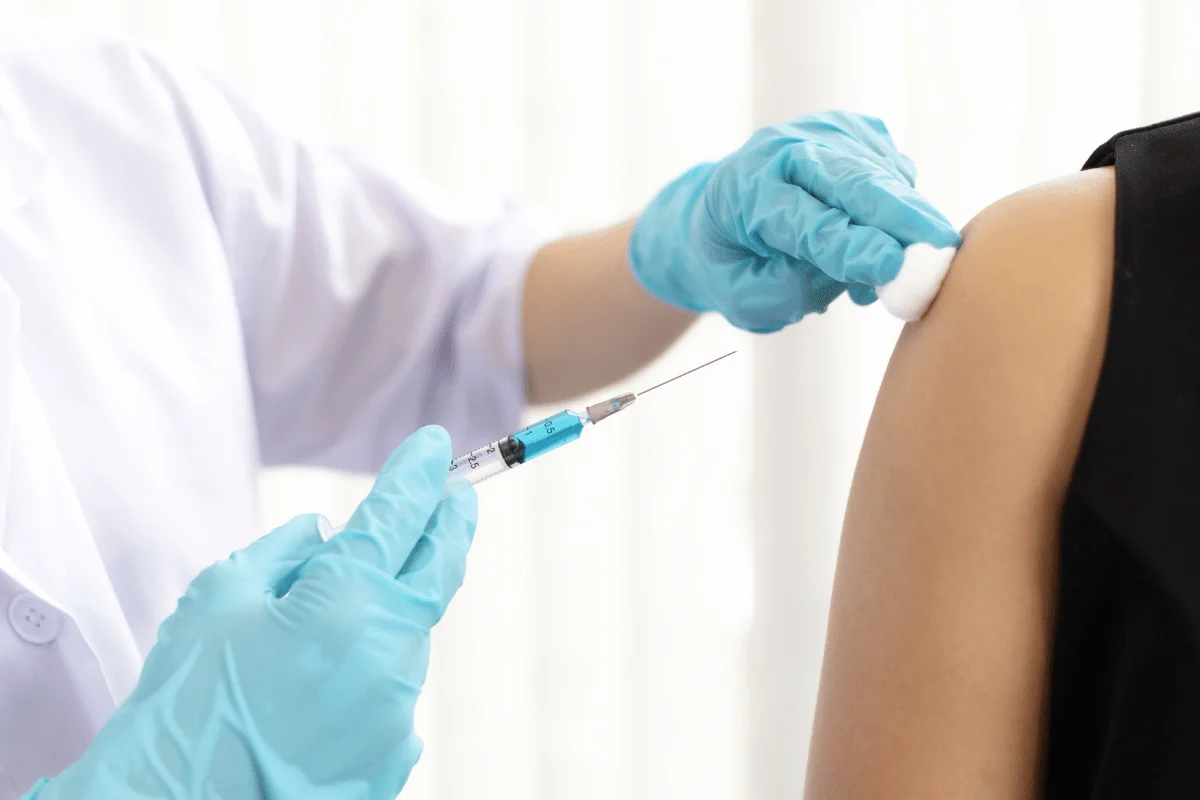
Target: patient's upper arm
column 937, row 654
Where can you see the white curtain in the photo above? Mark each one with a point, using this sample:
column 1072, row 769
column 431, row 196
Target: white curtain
column 643, row 615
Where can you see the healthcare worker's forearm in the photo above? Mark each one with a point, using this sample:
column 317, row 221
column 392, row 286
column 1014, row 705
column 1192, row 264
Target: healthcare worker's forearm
column 588, row 322
column 803, row 212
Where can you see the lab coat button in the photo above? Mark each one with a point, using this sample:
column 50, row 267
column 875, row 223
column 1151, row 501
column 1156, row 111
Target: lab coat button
column 33, row 620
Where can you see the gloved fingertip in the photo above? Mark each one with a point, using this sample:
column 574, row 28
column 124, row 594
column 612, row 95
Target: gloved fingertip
column 385, row 526
column 943, row 236
column 437, row 439
column 434, row 433
column 428, row 445
column 432, row 437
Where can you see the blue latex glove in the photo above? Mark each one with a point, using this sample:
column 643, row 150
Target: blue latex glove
column 779, row 229
column 291, row 669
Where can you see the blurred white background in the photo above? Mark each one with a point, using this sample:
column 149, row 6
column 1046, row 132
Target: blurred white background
column 644, row 615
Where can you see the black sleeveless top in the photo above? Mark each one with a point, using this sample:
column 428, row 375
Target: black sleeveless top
column 1125, row 682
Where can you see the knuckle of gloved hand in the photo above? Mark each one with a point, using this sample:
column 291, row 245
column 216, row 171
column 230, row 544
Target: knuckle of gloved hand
column 456, row 528
column 714, row 217
column 454, row 572
column 904, row 166
column 828, row 174
column 407, row 754
column 364, row 547
column 868, row 131
column 770, row 137
column 755, row 323
column 822, row 289
column 758, row 310
column 398, row 727
column 172, row 627
column 849, row 170
column 358, row 581
column 801, row 162
column 335, row 585
column 220, row 612
column 850, row 161
column 870, row 126
column 875, row 177
column 458, row 547
column 894, row 168
column 722, row 185
column 421, row 602
column 216, row 580
column 740, row 287
column 350, row 624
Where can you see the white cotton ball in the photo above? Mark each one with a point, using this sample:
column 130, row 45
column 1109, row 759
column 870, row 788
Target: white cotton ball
column 909, row 295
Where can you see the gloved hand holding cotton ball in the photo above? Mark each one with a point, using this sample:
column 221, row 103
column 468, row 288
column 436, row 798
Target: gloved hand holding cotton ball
column 801, row 213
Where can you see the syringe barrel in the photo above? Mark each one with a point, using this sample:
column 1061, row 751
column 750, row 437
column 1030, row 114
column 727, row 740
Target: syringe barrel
column 483, row 463
column 549, row 434
column 502, row 455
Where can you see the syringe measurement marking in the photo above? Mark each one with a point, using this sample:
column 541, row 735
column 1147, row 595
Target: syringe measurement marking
column 472, row 458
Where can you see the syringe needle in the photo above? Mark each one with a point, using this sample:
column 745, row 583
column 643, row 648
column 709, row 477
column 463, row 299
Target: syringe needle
column 689, row 372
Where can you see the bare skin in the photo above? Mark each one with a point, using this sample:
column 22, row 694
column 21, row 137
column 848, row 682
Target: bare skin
column 580, row 291
column 938, row 649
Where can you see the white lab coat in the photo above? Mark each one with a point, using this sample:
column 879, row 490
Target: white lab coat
column 186, row 294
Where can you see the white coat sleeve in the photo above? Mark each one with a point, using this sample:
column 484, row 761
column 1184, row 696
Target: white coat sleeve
column 366, row 313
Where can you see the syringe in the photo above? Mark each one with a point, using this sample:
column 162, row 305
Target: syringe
column 540, row 438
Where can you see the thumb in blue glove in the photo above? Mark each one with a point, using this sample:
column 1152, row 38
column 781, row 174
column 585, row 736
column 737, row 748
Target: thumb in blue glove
column 780, row 228
column 292, row 669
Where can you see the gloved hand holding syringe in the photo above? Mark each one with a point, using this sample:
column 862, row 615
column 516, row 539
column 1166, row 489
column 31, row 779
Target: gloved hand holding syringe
column 540, row 438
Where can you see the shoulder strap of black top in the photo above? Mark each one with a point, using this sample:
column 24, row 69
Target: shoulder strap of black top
column 1139, row 466
column 1105, row 154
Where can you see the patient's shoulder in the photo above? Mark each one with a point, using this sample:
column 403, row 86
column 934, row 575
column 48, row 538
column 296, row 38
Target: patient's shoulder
column 1042, row 256
column 1016, row 337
